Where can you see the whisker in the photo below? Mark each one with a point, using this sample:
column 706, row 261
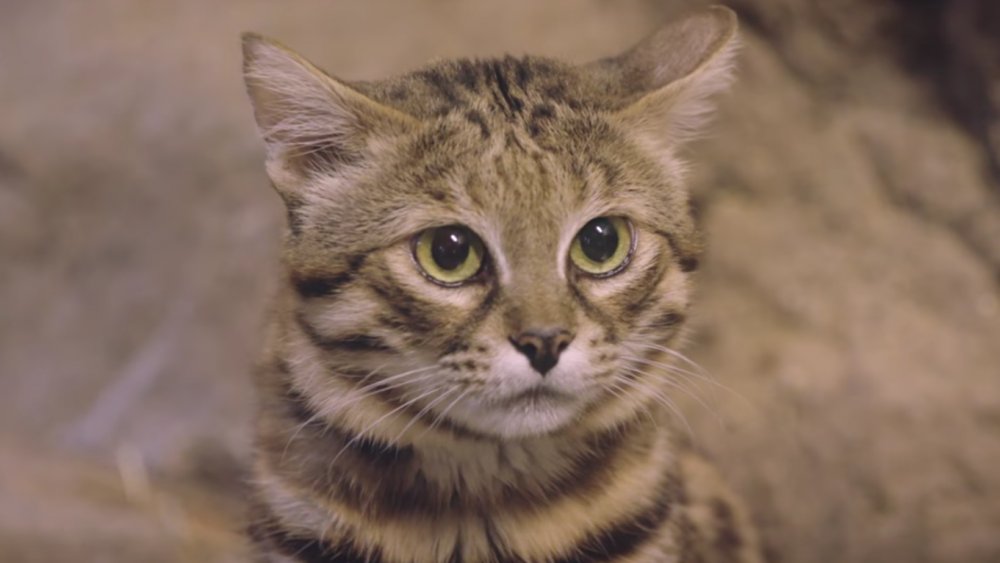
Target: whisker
column 440, row 417
column 391, row 378
column 618, row 391
column 360, row 435
column 317, row 415
column 699, row 372
column 683, row 389
column 422, row 412
column 706, row 377
column 662, row 399
column 680, row 356
column 666, row 378
column 370, row 373
column 373, row 390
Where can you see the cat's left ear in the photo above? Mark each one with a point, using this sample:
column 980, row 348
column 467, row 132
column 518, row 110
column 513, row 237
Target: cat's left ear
column 670, row 76
column 311, row 121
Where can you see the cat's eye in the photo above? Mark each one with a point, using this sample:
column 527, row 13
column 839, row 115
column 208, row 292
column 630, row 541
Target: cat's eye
column 449, row 255
column 603, row 247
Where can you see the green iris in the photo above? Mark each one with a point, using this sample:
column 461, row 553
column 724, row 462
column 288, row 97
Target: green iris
column 603, row 246
column 449, row 255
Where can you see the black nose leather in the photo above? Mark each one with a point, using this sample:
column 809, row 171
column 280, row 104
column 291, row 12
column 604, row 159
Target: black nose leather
column 542, row 347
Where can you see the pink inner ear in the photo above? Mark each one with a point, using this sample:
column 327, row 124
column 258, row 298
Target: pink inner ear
column 675, row 51
column 302, row 109
column 679, row 49
column 679, row 105
column 310, row 120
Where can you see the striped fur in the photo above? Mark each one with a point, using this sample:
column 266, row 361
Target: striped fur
column 397, row 423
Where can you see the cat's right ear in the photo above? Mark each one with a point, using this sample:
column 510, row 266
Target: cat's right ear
column 311, row 122
column 671, row 75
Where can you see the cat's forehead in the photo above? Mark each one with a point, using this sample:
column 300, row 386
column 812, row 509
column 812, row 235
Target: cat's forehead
column 505, row 87
column 513, row 171
column 517, row 132
column 528, row 148
column 522, row 184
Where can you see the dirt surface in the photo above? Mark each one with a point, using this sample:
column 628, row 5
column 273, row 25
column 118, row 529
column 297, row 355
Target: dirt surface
column 850, row 302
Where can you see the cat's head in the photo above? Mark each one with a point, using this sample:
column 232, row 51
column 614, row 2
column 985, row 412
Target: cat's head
column 505, row 243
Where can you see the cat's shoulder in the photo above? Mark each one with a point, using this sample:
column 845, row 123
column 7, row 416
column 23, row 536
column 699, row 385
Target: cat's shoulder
column 713, row 524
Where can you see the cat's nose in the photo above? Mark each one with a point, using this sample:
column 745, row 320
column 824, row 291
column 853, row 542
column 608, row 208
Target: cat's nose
column 542, row 347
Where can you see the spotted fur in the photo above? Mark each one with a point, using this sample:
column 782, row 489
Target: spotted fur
column 397, row 423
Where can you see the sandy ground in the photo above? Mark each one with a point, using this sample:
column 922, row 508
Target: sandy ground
column 850, row 303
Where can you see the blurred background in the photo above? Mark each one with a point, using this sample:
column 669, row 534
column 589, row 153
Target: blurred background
column 850, row 301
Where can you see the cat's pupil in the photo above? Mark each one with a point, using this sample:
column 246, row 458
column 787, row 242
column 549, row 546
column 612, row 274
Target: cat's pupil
column 599, row 239
column 450, row 247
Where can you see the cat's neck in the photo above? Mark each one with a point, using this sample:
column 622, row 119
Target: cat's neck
column 487, row 467
column 444, row 470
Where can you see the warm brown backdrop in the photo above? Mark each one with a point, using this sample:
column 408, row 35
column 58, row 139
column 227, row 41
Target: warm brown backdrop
column 851, row 298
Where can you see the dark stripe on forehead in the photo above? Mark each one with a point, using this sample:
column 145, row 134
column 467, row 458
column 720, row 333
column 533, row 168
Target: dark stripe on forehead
column 612, row 171
column 476, row 118
column 541, row 114
column 355, row 342
column 443, row 85
column 556, row 91
column 523, row 73
column 512, row 104
column 467, row 74
column 511, row 142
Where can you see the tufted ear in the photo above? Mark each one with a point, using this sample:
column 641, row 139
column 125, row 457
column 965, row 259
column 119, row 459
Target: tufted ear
column 669, row 77
column 311, row 122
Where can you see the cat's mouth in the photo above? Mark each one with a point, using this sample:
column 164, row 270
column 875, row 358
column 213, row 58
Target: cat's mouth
column 531, row 411
column 537, row 395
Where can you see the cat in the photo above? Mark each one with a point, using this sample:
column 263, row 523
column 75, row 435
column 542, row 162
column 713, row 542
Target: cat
column 487, row 265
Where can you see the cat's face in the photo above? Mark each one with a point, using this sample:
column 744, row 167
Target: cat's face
column 503, row 246
column 508, row 255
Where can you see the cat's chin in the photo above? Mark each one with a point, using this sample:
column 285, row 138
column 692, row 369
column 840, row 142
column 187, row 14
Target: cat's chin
column 523, row 417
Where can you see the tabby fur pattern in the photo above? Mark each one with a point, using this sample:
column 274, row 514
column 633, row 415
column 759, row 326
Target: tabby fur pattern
column 397, row 423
